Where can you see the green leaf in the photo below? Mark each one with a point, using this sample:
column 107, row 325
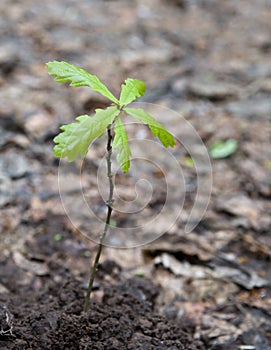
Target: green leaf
column 66, row 72
column 58, row 237
column 188, row 161
column 131, row 90
column 76, row 137
column 113, row 223
column 121, row 144
column 156, row 128
column 223, row 149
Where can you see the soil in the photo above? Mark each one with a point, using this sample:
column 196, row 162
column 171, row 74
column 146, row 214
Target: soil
column 45, row 312
column 206, row 60
column 124, row 319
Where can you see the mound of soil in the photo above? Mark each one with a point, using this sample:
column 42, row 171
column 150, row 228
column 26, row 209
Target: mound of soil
column 124, row 319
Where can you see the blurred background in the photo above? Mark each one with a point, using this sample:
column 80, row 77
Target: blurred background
column 208, row 60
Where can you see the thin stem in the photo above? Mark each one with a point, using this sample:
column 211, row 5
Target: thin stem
column 108, row 216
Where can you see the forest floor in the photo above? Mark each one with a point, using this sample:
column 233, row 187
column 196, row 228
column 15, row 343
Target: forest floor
column 207, row 67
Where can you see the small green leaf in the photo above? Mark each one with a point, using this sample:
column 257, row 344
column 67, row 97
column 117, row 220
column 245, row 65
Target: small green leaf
column 76, row 137
column 188, row 161
column 66, row 72
column 121, row 144
column 223, row 149
column 113, row 223
column 156, row 128
column 58, row 237
column 140, row 273
column 131, row 90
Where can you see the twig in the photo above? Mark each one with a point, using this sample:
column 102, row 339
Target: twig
column 107, row 222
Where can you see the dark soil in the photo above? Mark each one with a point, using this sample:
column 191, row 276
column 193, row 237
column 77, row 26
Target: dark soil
column 41, row 304
column 53, row 319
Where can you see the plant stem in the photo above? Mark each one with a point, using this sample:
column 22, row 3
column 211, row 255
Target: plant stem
column 108, row 216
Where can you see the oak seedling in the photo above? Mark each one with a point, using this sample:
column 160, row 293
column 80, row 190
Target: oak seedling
column 75, row 138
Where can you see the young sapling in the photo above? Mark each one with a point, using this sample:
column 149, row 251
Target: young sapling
column 75, row 138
